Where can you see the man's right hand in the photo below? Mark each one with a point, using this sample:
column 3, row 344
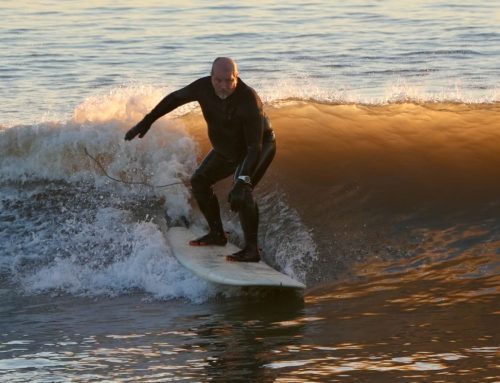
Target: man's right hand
column 140, row 129
column 239, row 194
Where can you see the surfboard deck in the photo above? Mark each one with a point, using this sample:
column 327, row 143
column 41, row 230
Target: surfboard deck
column 209, row 263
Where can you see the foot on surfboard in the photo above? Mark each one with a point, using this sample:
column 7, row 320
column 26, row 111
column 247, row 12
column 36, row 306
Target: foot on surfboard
column 244, row 255
column 210, row 239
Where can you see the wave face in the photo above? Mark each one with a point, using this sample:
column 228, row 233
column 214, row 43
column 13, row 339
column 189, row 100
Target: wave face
column 401, row 157
column 351, row 185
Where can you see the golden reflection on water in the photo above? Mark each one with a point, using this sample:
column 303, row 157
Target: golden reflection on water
column 437, row 277
column 433, row 318
column 333, row 368
column 297, row 322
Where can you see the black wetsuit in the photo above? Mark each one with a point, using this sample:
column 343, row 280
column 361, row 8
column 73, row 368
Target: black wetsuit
column 235, row 125
column 242, row 140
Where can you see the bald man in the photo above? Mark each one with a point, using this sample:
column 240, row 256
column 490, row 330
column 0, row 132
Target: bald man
column 243, row 145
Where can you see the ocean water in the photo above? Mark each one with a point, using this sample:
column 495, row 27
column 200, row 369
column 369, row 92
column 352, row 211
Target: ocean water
column 383, row 197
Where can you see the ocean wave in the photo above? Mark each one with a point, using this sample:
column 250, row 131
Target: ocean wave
column 406, row 150
column 351, row 183
column 402, row 152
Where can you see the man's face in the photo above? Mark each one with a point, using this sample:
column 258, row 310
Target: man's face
column 224, row 82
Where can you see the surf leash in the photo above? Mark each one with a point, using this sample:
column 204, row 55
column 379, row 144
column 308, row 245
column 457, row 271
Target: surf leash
column 128, row 182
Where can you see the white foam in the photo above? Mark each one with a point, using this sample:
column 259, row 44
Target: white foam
column 394, row 90
column 404, row 90
column 303, row 88
column 56, row 151
column 121, row 256
column 287, row 238
column 100, row 248
column 111, row 253
column 126, row 104
column 287, row 243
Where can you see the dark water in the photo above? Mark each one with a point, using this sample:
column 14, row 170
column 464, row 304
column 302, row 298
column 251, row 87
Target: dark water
column 410, row 328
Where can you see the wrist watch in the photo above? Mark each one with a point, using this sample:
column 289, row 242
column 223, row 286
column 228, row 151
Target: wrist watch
column 245, row 179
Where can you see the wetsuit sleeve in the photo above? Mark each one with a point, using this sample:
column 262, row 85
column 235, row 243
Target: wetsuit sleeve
column 173, row 101
column 253, row 131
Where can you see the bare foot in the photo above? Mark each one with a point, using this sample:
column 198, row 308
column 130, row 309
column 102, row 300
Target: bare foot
column 245, row 255
column 210, row 239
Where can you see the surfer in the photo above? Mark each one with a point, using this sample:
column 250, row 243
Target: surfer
column 243, row 145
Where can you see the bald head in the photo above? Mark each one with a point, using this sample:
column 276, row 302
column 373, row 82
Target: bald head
column 225, row 64
column 224, row 76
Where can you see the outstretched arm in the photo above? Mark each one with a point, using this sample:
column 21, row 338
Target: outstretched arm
column 169, row 103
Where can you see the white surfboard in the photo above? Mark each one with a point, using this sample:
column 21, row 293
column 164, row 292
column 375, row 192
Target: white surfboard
column 209, row 262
